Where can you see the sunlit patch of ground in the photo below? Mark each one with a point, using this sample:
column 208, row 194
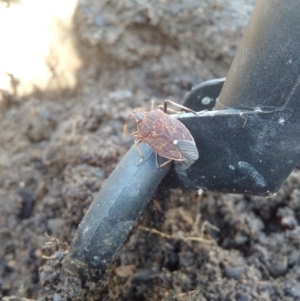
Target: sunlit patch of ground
column 37, row 49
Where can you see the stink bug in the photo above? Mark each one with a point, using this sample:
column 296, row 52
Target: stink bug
column 165, row 135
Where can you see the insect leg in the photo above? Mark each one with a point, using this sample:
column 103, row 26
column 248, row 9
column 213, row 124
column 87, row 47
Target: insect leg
column 134, row 134
column 137, row 142
column 165, row 163
column 177, row 105
column 168, row 110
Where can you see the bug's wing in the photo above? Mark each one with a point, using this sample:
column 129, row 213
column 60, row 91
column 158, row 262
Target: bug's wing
column 187, row 149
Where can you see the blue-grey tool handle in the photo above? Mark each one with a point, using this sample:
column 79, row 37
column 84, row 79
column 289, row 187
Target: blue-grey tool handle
column 112, row 214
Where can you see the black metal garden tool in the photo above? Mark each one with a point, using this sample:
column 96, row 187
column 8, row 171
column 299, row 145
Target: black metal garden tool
column 249, row 142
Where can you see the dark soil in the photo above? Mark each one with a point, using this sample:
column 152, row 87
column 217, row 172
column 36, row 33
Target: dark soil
column 58, row 147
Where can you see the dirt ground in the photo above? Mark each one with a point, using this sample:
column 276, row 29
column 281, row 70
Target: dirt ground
column 59, row 146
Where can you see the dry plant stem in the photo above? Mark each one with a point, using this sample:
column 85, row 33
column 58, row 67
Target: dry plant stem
column 190, row 294
column 167, row 236
column 186, row 217
column 196, row 226
column 274, row 281
column 209, row 225
column 12, row 298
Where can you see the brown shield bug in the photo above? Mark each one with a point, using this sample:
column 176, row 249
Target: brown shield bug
column 165, row 135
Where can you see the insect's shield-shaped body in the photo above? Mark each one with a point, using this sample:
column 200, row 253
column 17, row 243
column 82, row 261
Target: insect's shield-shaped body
column 166, row 136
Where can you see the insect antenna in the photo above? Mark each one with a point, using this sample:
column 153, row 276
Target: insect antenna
column 152, row 105
column 165, row 107
column 125, row 127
